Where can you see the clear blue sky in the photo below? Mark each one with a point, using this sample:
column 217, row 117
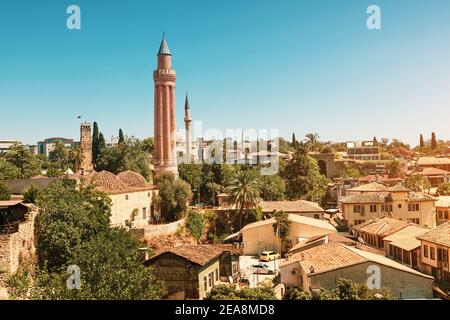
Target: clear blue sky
column 298, row 65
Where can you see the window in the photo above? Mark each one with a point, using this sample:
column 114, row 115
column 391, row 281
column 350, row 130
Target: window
column 217, row 274
column 414, row 220
column 399, row 205
column 357, row 222
column 210, row 279
column 373, row 208
column 413, row 207
column 386, row 208
column 316, row 216
column 432, row 253
column 205, row 283
column 445, row 255
column 406, row 257
column 149, row 194
column 425, row 251
column 446, row 215
column 126, row 197
column 391, row 250
column 144, row 213
column 440, row 215
column 357, row 209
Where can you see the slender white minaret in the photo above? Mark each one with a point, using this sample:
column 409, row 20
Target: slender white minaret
column 187, row 123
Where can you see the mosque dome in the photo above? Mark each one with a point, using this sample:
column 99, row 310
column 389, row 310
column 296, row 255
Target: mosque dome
column 132, row 179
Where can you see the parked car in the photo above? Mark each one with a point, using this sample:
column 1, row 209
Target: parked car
column 261, row 268
column 269, row 256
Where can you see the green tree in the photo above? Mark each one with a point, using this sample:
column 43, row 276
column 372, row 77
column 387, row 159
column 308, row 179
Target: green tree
column 312, row 141
column 433, row 141
column 95, row 142
column 394, row 169
column 101, row 142
column 444, row 189
column 281, row 230
column 224, row 292
column 345, row 290
column 59, row 155
column 76, row 158
column 195, row 224
column 351, row 171
column 243, row 191
column 21, row 157
column 8, row 171
column 192, row 174
column 67, row 217
column 303, row 178
column 111, row 269
column 126, row 156
column 173, row 197
column 5, row 192
column 30, row 194
column 421, row 143
column 272, row 187
column 417, row 182
column 121, row 136
column 148, row 145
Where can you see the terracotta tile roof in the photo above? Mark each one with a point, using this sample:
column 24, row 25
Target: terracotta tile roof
column 398, row 188
column 406, row 238
column 9, row 203
column 109, row 183
column 370, row 187
column 423, row 161
column 439, row 235
column 430, row 171
column 294, row 218
column 419, row 196
column 334, row 237
column 378, row 177
column 332, row 256
column 365, row 198
column 290, row 206
column 199, row 254
column 132, row 179
column 381, row 227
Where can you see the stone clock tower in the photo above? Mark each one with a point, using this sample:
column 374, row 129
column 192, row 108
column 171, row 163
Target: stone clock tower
column 86, row 148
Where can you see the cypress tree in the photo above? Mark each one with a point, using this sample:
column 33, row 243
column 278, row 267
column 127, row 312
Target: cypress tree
column 101, row 142
column 95, row 137
column 433, row 141
column 121, row 137
column 422, row 143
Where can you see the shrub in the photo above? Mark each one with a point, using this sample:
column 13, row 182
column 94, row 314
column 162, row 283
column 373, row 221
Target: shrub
column 5, row 192
column 195, row 224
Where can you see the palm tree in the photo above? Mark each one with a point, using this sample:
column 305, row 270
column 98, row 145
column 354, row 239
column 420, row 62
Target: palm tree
column 312, row 141
column 76, row 158
column 243, row 191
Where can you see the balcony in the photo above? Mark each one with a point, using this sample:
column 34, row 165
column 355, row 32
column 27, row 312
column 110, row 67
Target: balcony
column 9, row 228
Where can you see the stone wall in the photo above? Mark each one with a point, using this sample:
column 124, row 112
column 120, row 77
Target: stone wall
column 154, row 230
column 17, row 248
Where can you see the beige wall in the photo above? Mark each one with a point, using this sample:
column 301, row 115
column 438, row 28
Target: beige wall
column 426, row 213
column 402, row 284
column 122, row 208
column 262, row 238
column 213, row 268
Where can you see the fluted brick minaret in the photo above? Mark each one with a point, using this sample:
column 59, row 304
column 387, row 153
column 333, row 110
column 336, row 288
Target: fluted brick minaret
column 187, row 124
column 165, row 131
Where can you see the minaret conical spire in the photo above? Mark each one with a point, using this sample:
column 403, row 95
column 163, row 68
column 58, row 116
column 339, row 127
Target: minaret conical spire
column 164, row 47
column 186, row 102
